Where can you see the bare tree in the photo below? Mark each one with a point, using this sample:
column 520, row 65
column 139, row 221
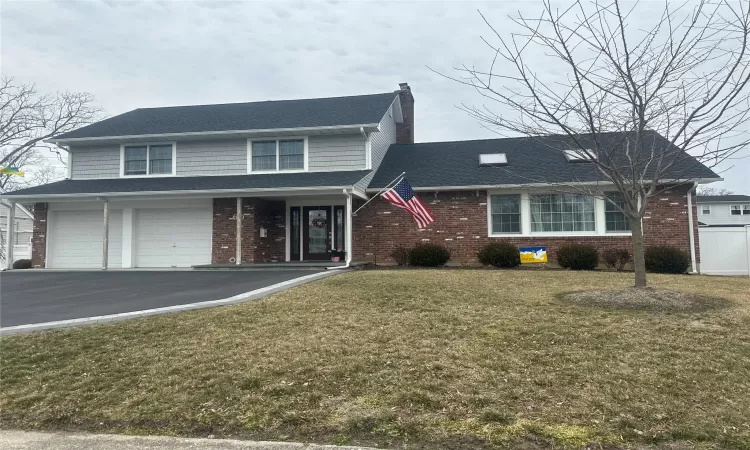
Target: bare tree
column 708, row 190
column 634, row 103
column 27, row 119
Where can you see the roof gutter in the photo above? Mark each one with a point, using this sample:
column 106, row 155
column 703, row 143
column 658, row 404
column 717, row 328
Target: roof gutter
column 527, row 185
column 219, row 192
column 354, row 127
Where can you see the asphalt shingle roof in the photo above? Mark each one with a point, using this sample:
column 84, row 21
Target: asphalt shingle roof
column 530, row 161
column 723, row 198
column 316, row 112
column 200, row 183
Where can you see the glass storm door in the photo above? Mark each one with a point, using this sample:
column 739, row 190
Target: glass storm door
column 316, row 236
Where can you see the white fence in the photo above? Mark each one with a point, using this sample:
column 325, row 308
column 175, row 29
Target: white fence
column 22, row 251
column 725, row 250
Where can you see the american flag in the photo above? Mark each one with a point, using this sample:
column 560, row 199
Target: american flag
column 403, row 196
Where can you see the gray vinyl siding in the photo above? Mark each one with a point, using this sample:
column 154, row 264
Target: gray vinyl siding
column 101, row 161
column 721, row 214
column 382, row 139
column 344, row 152
column 220, row 157
column 379, row 143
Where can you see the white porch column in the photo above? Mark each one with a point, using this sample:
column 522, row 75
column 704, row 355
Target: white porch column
column 238, row 244
column 348, row 226
column 10, row 235
column 128, row 217
column 105, row 240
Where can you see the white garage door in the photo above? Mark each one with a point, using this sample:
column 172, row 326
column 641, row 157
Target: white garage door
column 172, row 237
column 75, row 239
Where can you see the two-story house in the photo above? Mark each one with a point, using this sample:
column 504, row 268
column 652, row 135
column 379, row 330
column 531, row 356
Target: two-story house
column 724, row 210
column 281, row 180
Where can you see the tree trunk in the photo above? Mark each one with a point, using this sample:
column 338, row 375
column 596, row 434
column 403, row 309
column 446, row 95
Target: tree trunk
column 639, row 259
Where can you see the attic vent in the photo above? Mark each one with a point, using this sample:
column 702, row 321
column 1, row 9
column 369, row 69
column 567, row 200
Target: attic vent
column 579, row 155
column 493, row 159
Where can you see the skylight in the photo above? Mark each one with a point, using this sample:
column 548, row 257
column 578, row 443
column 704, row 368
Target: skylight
column 493, row 159
column 578, row 155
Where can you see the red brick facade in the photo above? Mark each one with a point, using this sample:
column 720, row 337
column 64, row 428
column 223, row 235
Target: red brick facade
column 461, row 226
column 39, row 236
column 256, row 214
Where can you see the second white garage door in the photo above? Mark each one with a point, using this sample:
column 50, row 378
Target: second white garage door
column 172, row 237
column 75, row 239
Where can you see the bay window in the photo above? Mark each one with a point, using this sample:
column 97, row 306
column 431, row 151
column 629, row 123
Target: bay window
column 562, row 212
column 532, row 213
column 277, row 155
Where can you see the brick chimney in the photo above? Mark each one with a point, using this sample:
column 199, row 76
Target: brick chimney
column 405, row 130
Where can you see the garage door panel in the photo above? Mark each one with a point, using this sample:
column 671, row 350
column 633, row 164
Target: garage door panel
column 75, row 240
column 173, row 237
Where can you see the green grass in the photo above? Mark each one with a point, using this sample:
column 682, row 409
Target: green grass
column 416, row 359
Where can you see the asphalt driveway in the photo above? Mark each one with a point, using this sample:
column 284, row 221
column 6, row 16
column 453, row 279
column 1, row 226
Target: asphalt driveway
column 36, row 297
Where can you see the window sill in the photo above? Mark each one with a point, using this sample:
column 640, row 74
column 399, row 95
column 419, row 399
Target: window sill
column 153, row 175
column 266, row 172
column 561, row 234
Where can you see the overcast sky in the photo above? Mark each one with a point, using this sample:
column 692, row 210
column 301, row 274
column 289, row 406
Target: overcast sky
column 145, row 54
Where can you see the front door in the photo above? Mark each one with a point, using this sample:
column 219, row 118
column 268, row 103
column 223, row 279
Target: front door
column 316, row 233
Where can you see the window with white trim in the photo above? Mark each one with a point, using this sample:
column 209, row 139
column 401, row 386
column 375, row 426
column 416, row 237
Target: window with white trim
column 277, row 155
column 562, row 212
column 506, row 213
column 740, row 210
column 706, row 210
column 148, row 159
column 615, row 220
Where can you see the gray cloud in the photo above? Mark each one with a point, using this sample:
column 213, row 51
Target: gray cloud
column 141, row 54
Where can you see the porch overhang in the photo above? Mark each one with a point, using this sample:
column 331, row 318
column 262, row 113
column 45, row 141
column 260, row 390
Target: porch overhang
column 261, row 185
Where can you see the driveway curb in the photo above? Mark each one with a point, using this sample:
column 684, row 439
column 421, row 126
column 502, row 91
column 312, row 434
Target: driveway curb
column 239, row 298
column 32, row 440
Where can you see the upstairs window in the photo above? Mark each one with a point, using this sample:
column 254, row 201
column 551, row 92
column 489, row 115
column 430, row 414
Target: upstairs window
column 154, row 159
column 740, row 210
column 277, row 155
column 706, row 210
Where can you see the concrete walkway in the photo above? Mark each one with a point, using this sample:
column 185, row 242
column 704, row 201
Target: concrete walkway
column 31, row 440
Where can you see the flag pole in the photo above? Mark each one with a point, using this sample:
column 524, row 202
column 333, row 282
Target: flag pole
column 388, row 186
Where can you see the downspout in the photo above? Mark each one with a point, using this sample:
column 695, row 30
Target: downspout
column 691, row 232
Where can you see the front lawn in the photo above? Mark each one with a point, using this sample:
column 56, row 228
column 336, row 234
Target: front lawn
column 417, row 359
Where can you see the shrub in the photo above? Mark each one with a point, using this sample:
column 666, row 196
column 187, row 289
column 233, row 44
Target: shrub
column 499, row 254
column 666, row 259
column 429, row 255
column 616, row 258
column 22, row 264
column 401, row 255
column 578, row 257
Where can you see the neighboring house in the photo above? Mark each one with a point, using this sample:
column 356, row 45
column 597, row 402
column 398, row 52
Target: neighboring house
column 724, row 210
column 172, row 180
column 23, row 226
column 23, row 223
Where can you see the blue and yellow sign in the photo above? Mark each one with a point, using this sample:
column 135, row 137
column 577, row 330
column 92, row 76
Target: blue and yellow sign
column 533, row 255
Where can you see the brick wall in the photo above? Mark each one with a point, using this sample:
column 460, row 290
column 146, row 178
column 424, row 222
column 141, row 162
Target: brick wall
column 223, row 242
column 39, row 236
column 666, row 220
column 256, row 213
column 461, row 225
column 405, row 130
